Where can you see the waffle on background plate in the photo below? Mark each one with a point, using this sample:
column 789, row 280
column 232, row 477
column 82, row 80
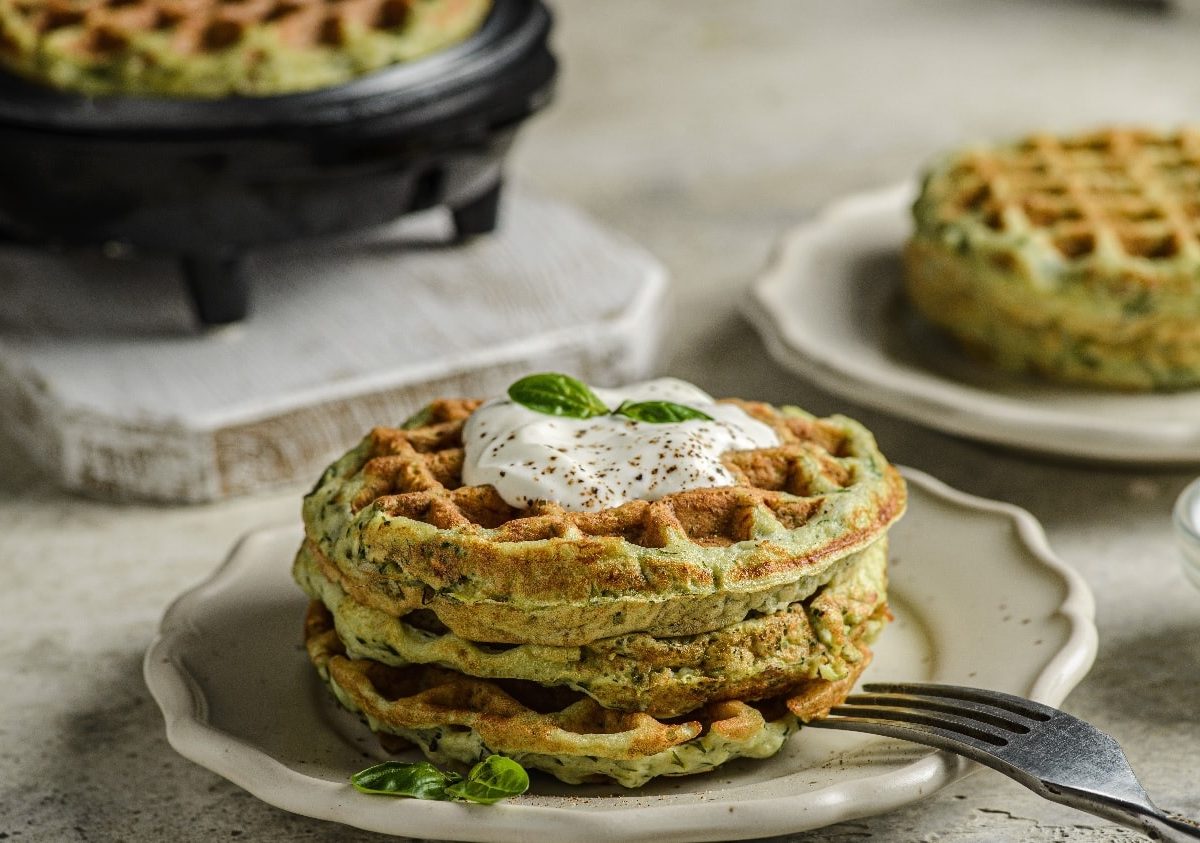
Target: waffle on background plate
column 214, row 48
column 1074, row 257
column 651, row 638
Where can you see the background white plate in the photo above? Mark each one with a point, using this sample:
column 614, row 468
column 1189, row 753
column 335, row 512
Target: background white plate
column 830, row 307
column 979, row 600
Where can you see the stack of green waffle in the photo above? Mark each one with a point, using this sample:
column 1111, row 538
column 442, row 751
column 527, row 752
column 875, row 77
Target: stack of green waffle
column 653, row 638
column 1076, row 258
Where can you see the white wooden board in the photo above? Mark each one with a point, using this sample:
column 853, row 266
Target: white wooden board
column 107, row 382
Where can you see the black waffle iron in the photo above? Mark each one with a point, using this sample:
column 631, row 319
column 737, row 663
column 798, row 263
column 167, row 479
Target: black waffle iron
column 206, row 181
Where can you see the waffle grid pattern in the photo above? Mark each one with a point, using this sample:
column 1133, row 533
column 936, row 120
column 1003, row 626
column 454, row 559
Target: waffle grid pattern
column 652, row 638
column 1109, row 197
column 402, row 533
column 209, row 48
column 1074, row 258
column 417, row 474
column 103, row 27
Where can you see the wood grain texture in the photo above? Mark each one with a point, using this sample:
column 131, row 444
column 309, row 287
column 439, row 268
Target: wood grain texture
column 124, row 398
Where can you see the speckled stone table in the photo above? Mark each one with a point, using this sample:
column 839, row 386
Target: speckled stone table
column 703, row 129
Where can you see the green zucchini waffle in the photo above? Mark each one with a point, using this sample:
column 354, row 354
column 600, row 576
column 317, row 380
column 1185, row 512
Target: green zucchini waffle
column 458, row 719
column 1072, row 257
column 215, row 48
column 401, row 532
column 654, row 637
column 755, row 658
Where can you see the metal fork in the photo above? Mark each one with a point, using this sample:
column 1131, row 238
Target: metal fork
column 1055, row 755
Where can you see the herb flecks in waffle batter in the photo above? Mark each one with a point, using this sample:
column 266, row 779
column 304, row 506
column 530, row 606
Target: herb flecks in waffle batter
column 763, row 655
column 455, row 718
column 403, row 533
column 1073, row 257
column 213, row 48
column 652, row 638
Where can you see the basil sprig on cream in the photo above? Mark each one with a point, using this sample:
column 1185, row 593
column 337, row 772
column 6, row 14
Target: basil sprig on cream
column 659, row 412
column 556, row 394
column 492, row 779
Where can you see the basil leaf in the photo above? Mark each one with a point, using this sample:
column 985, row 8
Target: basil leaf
column 489, row 781
column 492, row 779
column 395, row 778
column 419, row 419
column 659, row 412
column 557, row 395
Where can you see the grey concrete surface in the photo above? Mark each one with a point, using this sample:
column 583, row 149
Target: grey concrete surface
column 703, row 129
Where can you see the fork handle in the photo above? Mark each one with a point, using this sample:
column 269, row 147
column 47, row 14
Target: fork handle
column 1142, row 815
column 1160, row 826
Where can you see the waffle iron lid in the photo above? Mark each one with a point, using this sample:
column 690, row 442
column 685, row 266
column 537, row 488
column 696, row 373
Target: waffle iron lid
column 494, row 63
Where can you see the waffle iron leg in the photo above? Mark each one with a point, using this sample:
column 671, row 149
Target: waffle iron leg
column 480, row 215
column 218, row 287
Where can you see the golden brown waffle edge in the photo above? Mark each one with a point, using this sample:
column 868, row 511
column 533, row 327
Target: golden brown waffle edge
column 454, row 718
column 1076, row 257
column 402, row 532
column 754, row 658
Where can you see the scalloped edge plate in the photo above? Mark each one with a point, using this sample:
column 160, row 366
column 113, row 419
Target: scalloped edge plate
column 979, row 599
column 830, row 307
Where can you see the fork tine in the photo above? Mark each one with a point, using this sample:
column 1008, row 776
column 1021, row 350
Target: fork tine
column 937, row 737
column 962, row 736
column 1005, row 722
column 966, row 727
column 1008, row 702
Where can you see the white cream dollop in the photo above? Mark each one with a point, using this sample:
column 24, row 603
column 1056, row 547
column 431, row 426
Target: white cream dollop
column 591, row 464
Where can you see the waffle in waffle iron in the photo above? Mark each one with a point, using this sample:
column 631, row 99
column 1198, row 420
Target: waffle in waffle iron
column 213, row 48
column 1074, row 257
column 652, row 638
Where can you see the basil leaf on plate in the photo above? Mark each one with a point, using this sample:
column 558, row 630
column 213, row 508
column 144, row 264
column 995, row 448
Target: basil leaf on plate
column 556, row 394
column 395, row 778
column 660, row 412
column 492, row 779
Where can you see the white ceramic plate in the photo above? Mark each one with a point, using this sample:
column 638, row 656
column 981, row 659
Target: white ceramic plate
column 830, row 307
column 979, row 600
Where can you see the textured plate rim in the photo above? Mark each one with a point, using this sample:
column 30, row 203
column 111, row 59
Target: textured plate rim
column 924, row 397
column 182, row 701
